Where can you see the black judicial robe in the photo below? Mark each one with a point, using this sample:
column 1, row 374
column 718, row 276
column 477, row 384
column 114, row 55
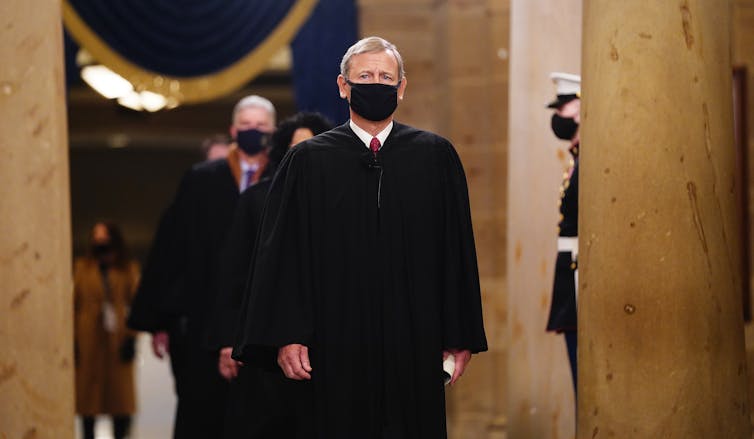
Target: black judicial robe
column 372, row 265
column 151, row 309
column 235, row 261
column 194, row 234
column 258, row 398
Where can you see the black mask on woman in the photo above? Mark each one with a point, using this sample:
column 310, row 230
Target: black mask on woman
column 373, row 102
column 101, row 249
column 563, row 127
column 250, row 141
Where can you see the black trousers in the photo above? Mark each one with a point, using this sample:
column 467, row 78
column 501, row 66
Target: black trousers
column 121, row 426
column 202, row 395
column 263, row 403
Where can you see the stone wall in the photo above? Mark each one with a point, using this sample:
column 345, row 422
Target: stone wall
column 456, row 60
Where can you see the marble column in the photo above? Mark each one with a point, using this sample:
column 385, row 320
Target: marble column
column 36, row 349
column 545, row 37
column 661, row 347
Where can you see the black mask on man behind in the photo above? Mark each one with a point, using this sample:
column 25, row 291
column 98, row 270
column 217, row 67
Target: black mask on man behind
column 563, row 127
column 373, row 102
column 251, row 141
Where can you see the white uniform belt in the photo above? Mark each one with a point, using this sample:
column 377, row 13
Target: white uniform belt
column 569, row 244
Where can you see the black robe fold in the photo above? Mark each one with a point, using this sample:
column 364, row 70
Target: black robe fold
column 370, row 263
column 235, row 259
column 178, row 294
column 152, row 309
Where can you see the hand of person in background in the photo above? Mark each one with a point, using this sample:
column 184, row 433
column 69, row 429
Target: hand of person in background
column 160, row 344
column 128, row 350
column 227, row 366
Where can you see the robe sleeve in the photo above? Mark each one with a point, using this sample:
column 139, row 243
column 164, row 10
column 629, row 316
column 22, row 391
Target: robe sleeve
column 462, row 307
column 235, row 261
column 277, row 310
column 154, row 308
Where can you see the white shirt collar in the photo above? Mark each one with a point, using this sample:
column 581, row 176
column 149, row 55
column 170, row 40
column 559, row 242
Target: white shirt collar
column 366, row 138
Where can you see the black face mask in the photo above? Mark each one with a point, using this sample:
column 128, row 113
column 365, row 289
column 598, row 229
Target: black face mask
column 373, row 102
column 101, row 249
column 250, row 141
column 563, row 127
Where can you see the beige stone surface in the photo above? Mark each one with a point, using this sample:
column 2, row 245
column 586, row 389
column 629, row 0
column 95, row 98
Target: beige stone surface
column 456, row 87
column 661, row 335
column 36, row 362
column 545, row 37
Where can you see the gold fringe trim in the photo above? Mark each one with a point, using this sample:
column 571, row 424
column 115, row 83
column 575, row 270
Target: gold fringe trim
column 192, row 89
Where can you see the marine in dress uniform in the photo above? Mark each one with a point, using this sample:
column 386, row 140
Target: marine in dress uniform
column 564, row 124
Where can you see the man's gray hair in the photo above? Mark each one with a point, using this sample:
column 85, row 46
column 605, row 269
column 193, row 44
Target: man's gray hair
column 371, row 45
column 254, row 101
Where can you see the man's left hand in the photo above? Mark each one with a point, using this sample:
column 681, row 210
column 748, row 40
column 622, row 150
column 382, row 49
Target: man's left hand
column 293, row 359
column 462, row 359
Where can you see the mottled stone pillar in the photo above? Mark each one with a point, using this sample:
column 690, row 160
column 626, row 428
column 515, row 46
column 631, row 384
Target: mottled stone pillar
column 36, row 349
column 661, row 346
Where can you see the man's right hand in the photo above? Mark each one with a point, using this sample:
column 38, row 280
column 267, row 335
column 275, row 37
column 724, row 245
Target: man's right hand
column 160, row 344
column 293, row 359
column 227, row 366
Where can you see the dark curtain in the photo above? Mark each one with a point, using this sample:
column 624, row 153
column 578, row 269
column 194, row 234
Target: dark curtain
column 70, row 49
column 183, row 38
column 317, row 51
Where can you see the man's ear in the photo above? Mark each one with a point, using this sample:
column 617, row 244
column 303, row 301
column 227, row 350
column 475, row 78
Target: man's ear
column 342, row 87
column 233, row 132
column 402, row 88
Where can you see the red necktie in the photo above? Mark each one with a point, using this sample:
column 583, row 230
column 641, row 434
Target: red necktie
column 374, row 145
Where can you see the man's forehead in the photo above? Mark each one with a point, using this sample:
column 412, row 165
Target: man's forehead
column 253, row 114
column 368, row 59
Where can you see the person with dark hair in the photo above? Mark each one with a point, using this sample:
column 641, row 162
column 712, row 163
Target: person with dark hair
column 175, row 299
column 105, row 281
column 365, row 279
column 257, row 387
column 294, row 130
column 216, row 147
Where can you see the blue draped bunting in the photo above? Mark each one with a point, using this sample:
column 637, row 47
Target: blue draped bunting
column 192, row 39
column 183, row 38
column 317, row 51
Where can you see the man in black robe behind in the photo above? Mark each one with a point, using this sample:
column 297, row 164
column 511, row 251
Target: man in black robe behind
column 174, row 300
column 365, row 275
column 257, row 402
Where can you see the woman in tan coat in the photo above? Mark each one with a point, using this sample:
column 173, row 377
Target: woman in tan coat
column 105, row 282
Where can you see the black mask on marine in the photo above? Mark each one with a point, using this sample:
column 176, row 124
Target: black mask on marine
column 251, row 141
column 373, row 101
column 563, row 127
